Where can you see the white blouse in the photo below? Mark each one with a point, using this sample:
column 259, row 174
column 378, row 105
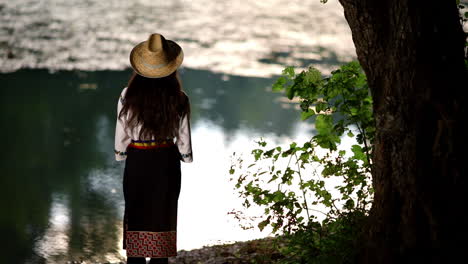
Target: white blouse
column 123, row 135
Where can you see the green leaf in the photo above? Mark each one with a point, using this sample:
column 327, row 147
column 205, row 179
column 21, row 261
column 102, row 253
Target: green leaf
column 300, row 219
column 264, row 223
column 338, row 128
column 319, row 107
column 278, row 196
column 307, row 114
column 350, row 134
column 261, row 142
column 349, row 204
column 279, row 84
column 304, row 157
column 257, row 153
column 289, row 71
column 324, row 124
column 269, row 153
column 358, row 153
column 313, row 77
column 290, row 92
column 273, row 178
column 305, row 105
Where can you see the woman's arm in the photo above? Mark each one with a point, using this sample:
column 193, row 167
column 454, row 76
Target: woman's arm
column 184, row 140
column 121, row 138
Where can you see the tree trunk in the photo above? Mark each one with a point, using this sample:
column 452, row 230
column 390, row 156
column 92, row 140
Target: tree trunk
column 412, row 52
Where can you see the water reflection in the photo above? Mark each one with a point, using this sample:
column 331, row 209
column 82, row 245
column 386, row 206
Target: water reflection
column 55, row 240
column 62, row 188
column 241, row 37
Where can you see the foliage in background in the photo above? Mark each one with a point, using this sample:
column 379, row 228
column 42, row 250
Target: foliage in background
column 339, row 106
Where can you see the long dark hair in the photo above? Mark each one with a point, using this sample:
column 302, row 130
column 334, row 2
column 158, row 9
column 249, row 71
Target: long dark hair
column 157, row 104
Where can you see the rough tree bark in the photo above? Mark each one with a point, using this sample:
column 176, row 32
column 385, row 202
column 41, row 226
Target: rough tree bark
column 412, row 52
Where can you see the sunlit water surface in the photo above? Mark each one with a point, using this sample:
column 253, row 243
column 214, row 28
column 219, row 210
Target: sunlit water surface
column 253, row 38
column 64, row 194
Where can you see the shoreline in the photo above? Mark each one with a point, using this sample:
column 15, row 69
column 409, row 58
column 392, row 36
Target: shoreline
column 259, row 251
column 251, row 251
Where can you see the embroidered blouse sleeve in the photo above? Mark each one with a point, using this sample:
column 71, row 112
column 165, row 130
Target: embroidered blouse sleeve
column 184, row 140
column 121, row 138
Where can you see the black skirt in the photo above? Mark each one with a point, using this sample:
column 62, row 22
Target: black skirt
column 151, row 186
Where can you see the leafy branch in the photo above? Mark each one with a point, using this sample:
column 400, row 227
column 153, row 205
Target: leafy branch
column 295, row 186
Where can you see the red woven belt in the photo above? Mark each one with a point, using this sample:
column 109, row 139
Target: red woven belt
column 151, row 144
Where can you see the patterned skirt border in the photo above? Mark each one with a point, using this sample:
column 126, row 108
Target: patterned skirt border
column 151, row 244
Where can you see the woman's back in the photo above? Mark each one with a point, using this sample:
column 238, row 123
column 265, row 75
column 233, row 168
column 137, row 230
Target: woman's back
column 152, row 136
column 154, row 106
column 153, row 109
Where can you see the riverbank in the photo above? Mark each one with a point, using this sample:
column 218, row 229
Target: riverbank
column 259, row 251
column 253, row 251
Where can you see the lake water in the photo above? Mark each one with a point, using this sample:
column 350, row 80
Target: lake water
column 63, row 66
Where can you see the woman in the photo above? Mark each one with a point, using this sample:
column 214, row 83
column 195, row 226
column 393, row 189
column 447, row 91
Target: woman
column 152, row 136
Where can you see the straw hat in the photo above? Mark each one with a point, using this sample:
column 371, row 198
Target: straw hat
column 156, row 57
